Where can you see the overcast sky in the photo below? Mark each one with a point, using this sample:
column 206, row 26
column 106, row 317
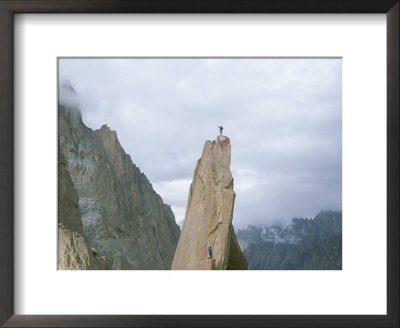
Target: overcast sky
column 283, row 116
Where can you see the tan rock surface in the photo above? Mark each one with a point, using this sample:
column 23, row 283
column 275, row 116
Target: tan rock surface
column 75, row 254
column 209, row 213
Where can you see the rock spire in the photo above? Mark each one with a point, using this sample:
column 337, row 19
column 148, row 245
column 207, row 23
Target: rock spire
column 209, row 213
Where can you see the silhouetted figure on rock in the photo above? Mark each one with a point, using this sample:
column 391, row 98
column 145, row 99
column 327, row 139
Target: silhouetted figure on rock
column 210, row 252
column 220, row 129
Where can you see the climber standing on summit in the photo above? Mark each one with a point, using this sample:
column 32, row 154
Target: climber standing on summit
column 210, row 252
column 220, row 130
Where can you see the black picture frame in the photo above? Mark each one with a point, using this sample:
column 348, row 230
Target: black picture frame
column 10, row 7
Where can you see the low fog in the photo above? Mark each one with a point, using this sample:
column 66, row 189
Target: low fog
column 283, row 117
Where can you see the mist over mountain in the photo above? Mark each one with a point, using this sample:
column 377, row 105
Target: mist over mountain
column 304, row 244
column 110, row 216
column 282, row 115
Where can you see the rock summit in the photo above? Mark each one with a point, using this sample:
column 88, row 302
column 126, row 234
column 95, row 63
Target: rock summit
column 209, row 213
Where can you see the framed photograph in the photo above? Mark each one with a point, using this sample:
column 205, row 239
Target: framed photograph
column 199, row 164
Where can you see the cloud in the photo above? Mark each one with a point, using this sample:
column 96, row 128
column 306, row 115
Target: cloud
column 283, row 117
column 67, row 95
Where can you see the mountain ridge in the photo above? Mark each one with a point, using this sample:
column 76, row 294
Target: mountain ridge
column 304, row 244
column 123, row 218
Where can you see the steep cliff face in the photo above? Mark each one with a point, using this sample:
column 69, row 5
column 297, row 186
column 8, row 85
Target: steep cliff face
column 123, row 218
column 74, row 252
column 208, row 220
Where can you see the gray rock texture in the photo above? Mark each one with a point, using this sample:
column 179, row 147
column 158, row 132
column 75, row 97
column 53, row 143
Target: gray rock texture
column 74, row 253
column 123, row 218
column 304, row 244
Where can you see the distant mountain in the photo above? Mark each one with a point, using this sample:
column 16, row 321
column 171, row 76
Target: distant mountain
column 304, row 244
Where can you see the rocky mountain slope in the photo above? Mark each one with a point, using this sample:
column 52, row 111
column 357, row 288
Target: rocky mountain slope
column 209, row 213
column 74, row 252
column 305, row 244
column 123, row 218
